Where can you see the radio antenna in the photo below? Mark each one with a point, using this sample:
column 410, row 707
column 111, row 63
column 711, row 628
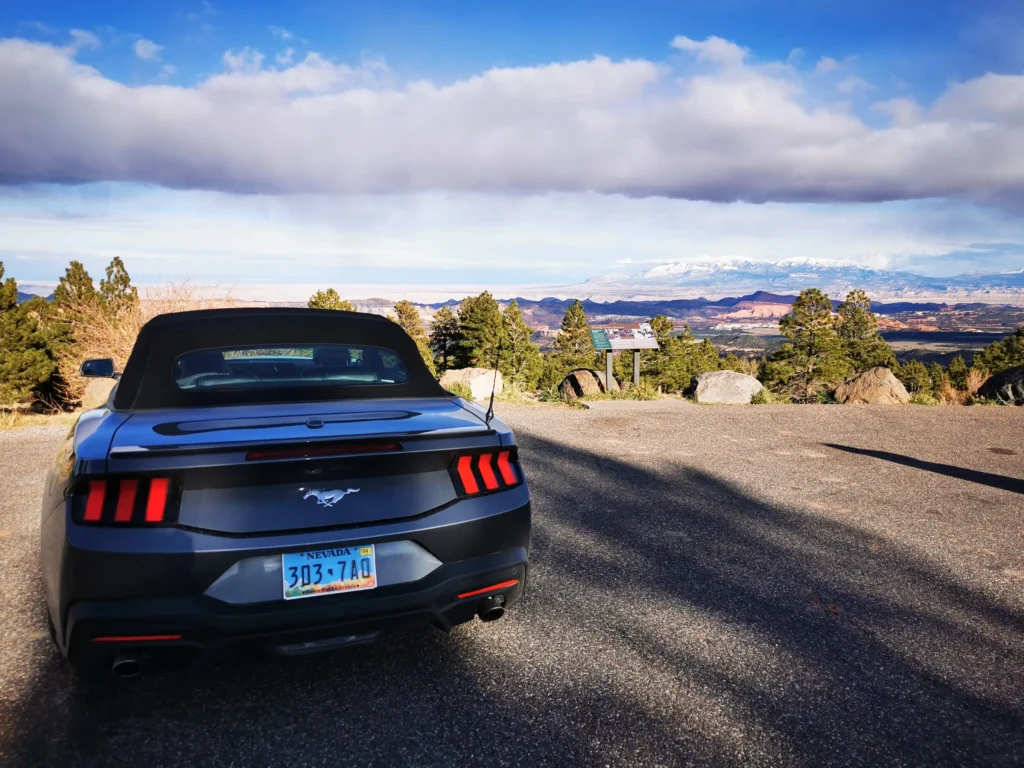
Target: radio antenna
column 494, row 383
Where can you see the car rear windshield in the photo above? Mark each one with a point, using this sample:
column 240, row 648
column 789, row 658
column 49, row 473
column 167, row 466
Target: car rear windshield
column 287, row 366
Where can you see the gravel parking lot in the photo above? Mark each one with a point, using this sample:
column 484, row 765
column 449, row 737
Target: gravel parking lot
column 772, row 585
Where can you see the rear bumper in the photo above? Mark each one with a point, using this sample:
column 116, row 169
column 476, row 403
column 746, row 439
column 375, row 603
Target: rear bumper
column 209, row 627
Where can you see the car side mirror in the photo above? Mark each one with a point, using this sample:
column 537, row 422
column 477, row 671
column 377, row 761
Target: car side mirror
column 102, row 368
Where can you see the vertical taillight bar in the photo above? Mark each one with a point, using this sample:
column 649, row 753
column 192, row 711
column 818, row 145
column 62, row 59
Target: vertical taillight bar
column 505, row 468
column 125, row 501
column 94, row 505
column 490, row 481
column 157, row 501
column 469, row 483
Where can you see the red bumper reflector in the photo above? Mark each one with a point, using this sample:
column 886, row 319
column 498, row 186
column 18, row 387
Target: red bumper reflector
column 503, row 585
column 507, row 473
column 157, row 500
column 490, row 481
column 469, row 482
column 135, row 638
column 125, row 501
column 94, row 506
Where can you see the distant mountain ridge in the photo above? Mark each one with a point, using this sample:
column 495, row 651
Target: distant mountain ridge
column 741, row 276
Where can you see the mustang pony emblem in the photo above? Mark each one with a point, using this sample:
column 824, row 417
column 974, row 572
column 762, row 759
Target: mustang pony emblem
column 328, row 498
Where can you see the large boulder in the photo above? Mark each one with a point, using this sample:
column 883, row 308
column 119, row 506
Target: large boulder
column 583, row 382
column 876, row 386
column 97, row 392
column 479, row 381
column 728, row 387
column 1006, row 388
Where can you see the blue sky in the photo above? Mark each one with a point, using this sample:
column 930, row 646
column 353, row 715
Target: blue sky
column 507, row 144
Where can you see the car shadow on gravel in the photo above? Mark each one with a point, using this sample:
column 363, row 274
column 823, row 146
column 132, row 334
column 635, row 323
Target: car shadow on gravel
column 670, row 619
column 1003, row 483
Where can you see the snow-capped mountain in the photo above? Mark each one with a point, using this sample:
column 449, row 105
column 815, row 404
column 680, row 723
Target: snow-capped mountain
column 711, row 278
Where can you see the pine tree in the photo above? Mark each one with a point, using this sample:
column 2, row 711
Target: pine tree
column 479, row 331
column 957, row 373
column 815, row 356
column 520, row 358
column 858, row 329
column 330, row 299
column 573, row 344
column 408, row 317
column 444, row 339
column 26, row 365
column 1002, row 355
column 117, row 291
column 915, row 377
column 937, row 377
column 75, row 288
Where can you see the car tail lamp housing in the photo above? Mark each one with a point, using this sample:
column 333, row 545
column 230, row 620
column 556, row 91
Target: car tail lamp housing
column 479, row 473
column 126, row 501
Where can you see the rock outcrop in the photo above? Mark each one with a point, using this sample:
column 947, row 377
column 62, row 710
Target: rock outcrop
column 727, row 387
column 479, row 381
column 876, row 386
column 583, row 382
column 1006, row 388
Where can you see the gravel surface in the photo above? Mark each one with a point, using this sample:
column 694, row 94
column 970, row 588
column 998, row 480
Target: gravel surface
column 768, row 585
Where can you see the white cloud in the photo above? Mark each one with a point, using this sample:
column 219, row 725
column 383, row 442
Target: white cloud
column 714, row 50
column 634, row 127
column 147, row 50
column 853, row 84
column 168, row 70
column 285, row 57
column 246, row 61
column 82, row 39
column 903, row 112
column 826, row 64
column 280, row 32
column 542, row 239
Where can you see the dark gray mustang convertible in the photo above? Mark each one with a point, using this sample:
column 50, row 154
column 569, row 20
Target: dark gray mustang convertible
column 287, row 480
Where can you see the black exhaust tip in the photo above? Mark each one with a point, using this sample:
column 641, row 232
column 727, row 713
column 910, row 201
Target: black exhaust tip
column 126, row 666
column 491, row 609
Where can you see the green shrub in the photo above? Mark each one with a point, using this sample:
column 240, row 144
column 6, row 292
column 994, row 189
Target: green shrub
column 461, row 390
column 645, row 390
column 764, row 397
column 922, row 398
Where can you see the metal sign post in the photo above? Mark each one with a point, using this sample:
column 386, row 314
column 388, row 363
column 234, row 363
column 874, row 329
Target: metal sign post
column 608, row 378
column 622, row 337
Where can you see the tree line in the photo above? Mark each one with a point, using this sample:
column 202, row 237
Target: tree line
column 43, row 343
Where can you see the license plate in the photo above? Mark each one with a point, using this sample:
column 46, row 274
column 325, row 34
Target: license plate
column 326, row 571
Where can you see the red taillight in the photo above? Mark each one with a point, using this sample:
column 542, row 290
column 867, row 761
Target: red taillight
column 507, row 473
column 94, row 505
column 157, row 501
column 135, row 638
column 125, row 501
column 469, row 484
column 474, row 473
column 490, row 481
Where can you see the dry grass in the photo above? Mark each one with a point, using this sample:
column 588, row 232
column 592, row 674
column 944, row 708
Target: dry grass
column 950, row 395
column 975, row 379
column 97, row 334
column 14, row 418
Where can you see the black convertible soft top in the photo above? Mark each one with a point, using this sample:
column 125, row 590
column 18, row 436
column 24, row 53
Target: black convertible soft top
column 148, row 380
